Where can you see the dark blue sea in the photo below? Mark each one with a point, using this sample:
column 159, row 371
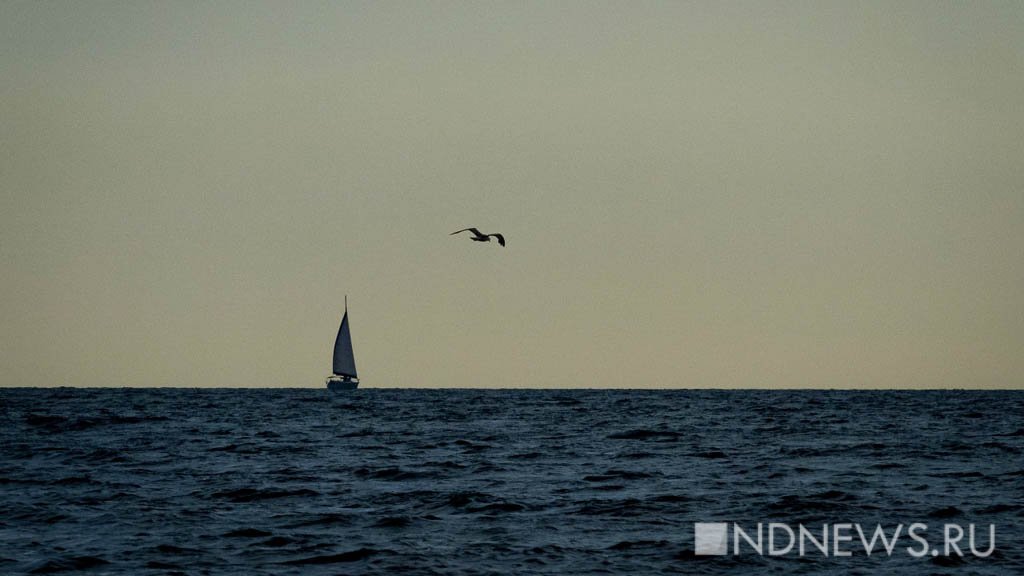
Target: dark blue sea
column 402, row 481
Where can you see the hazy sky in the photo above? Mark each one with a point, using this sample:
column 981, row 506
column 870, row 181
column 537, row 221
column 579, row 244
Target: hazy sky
column 694, row 194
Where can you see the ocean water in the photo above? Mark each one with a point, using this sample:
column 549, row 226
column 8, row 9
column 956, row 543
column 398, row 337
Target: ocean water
column 184, row 481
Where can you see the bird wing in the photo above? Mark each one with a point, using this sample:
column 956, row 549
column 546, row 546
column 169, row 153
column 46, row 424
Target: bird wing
column 501, row 239
column 473, row 230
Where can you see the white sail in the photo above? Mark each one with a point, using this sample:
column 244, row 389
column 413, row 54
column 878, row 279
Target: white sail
column 344, row 360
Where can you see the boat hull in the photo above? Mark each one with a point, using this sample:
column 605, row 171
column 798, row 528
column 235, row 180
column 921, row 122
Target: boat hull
column 339, row 385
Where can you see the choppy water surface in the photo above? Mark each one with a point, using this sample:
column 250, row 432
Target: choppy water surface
column 175, row 481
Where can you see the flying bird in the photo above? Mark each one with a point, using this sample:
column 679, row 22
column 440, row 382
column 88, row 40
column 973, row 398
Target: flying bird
column 479, row 236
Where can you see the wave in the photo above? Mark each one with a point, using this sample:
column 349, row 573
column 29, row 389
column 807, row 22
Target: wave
column 351, row 556
column 255, row 494
column 643, row 434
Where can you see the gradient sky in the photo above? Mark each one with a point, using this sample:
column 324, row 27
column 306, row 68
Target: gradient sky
column 695, row 194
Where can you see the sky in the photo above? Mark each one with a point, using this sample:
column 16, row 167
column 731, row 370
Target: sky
column 694, row 194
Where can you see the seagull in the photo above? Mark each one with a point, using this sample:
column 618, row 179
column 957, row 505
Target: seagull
column 479, row 236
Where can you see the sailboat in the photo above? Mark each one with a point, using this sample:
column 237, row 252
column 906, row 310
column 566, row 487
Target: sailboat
column 344, row 376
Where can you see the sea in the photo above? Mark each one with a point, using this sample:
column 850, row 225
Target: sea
column 467, row 481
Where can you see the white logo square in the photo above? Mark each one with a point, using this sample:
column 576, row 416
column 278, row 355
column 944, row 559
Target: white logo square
column 710, row 538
